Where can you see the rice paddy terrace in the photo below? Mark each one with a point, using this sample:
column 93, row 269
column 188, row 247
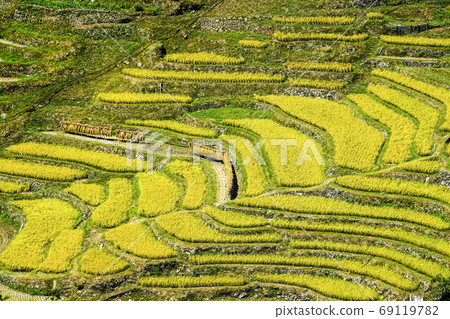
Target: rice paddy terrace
column 357, row 208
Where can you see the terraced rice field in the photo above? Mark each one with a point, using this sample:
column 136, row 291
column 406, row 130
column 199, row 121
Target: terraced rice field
column 240, row 151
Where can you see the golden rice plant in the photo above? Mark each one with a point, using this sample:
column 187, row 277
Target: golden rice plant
column 39, row 171
column 292, row 173
column 138, row 239
column 357, row 148
column 374, row 16
column 402, row 129
column 329, row 206
column 196, row 182
column 256, row 180
column 13, row 187
column 396, row 186
column 158, row 194
column 319, row 84
column 286, row 37
column 176, row 127
column 235, row 219
column 92, row 194
column 438, row 93
column 66, row 246
column 136, row 98
column 45, row 220
column 205, row 76
column 327, row 286
column 420, row 166
column 427, row 115
column 190, row 281
column 424, row 266
column 191, row 228
column 315, row 20
column 106, row 161
column 253, row 44
column 320, row 66
column 421, row 41
column 202, row 58
column 380, row 272
column 101, row 262
column 114, row 211
column 425, row 241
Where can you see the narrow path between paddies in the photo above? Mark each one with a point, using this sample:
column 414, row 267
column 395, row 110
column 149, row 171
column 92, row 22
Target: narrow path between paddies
column 9, row 294
column 12, row 43
column 7, row 80
column 222, row 189
column 175, row 150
